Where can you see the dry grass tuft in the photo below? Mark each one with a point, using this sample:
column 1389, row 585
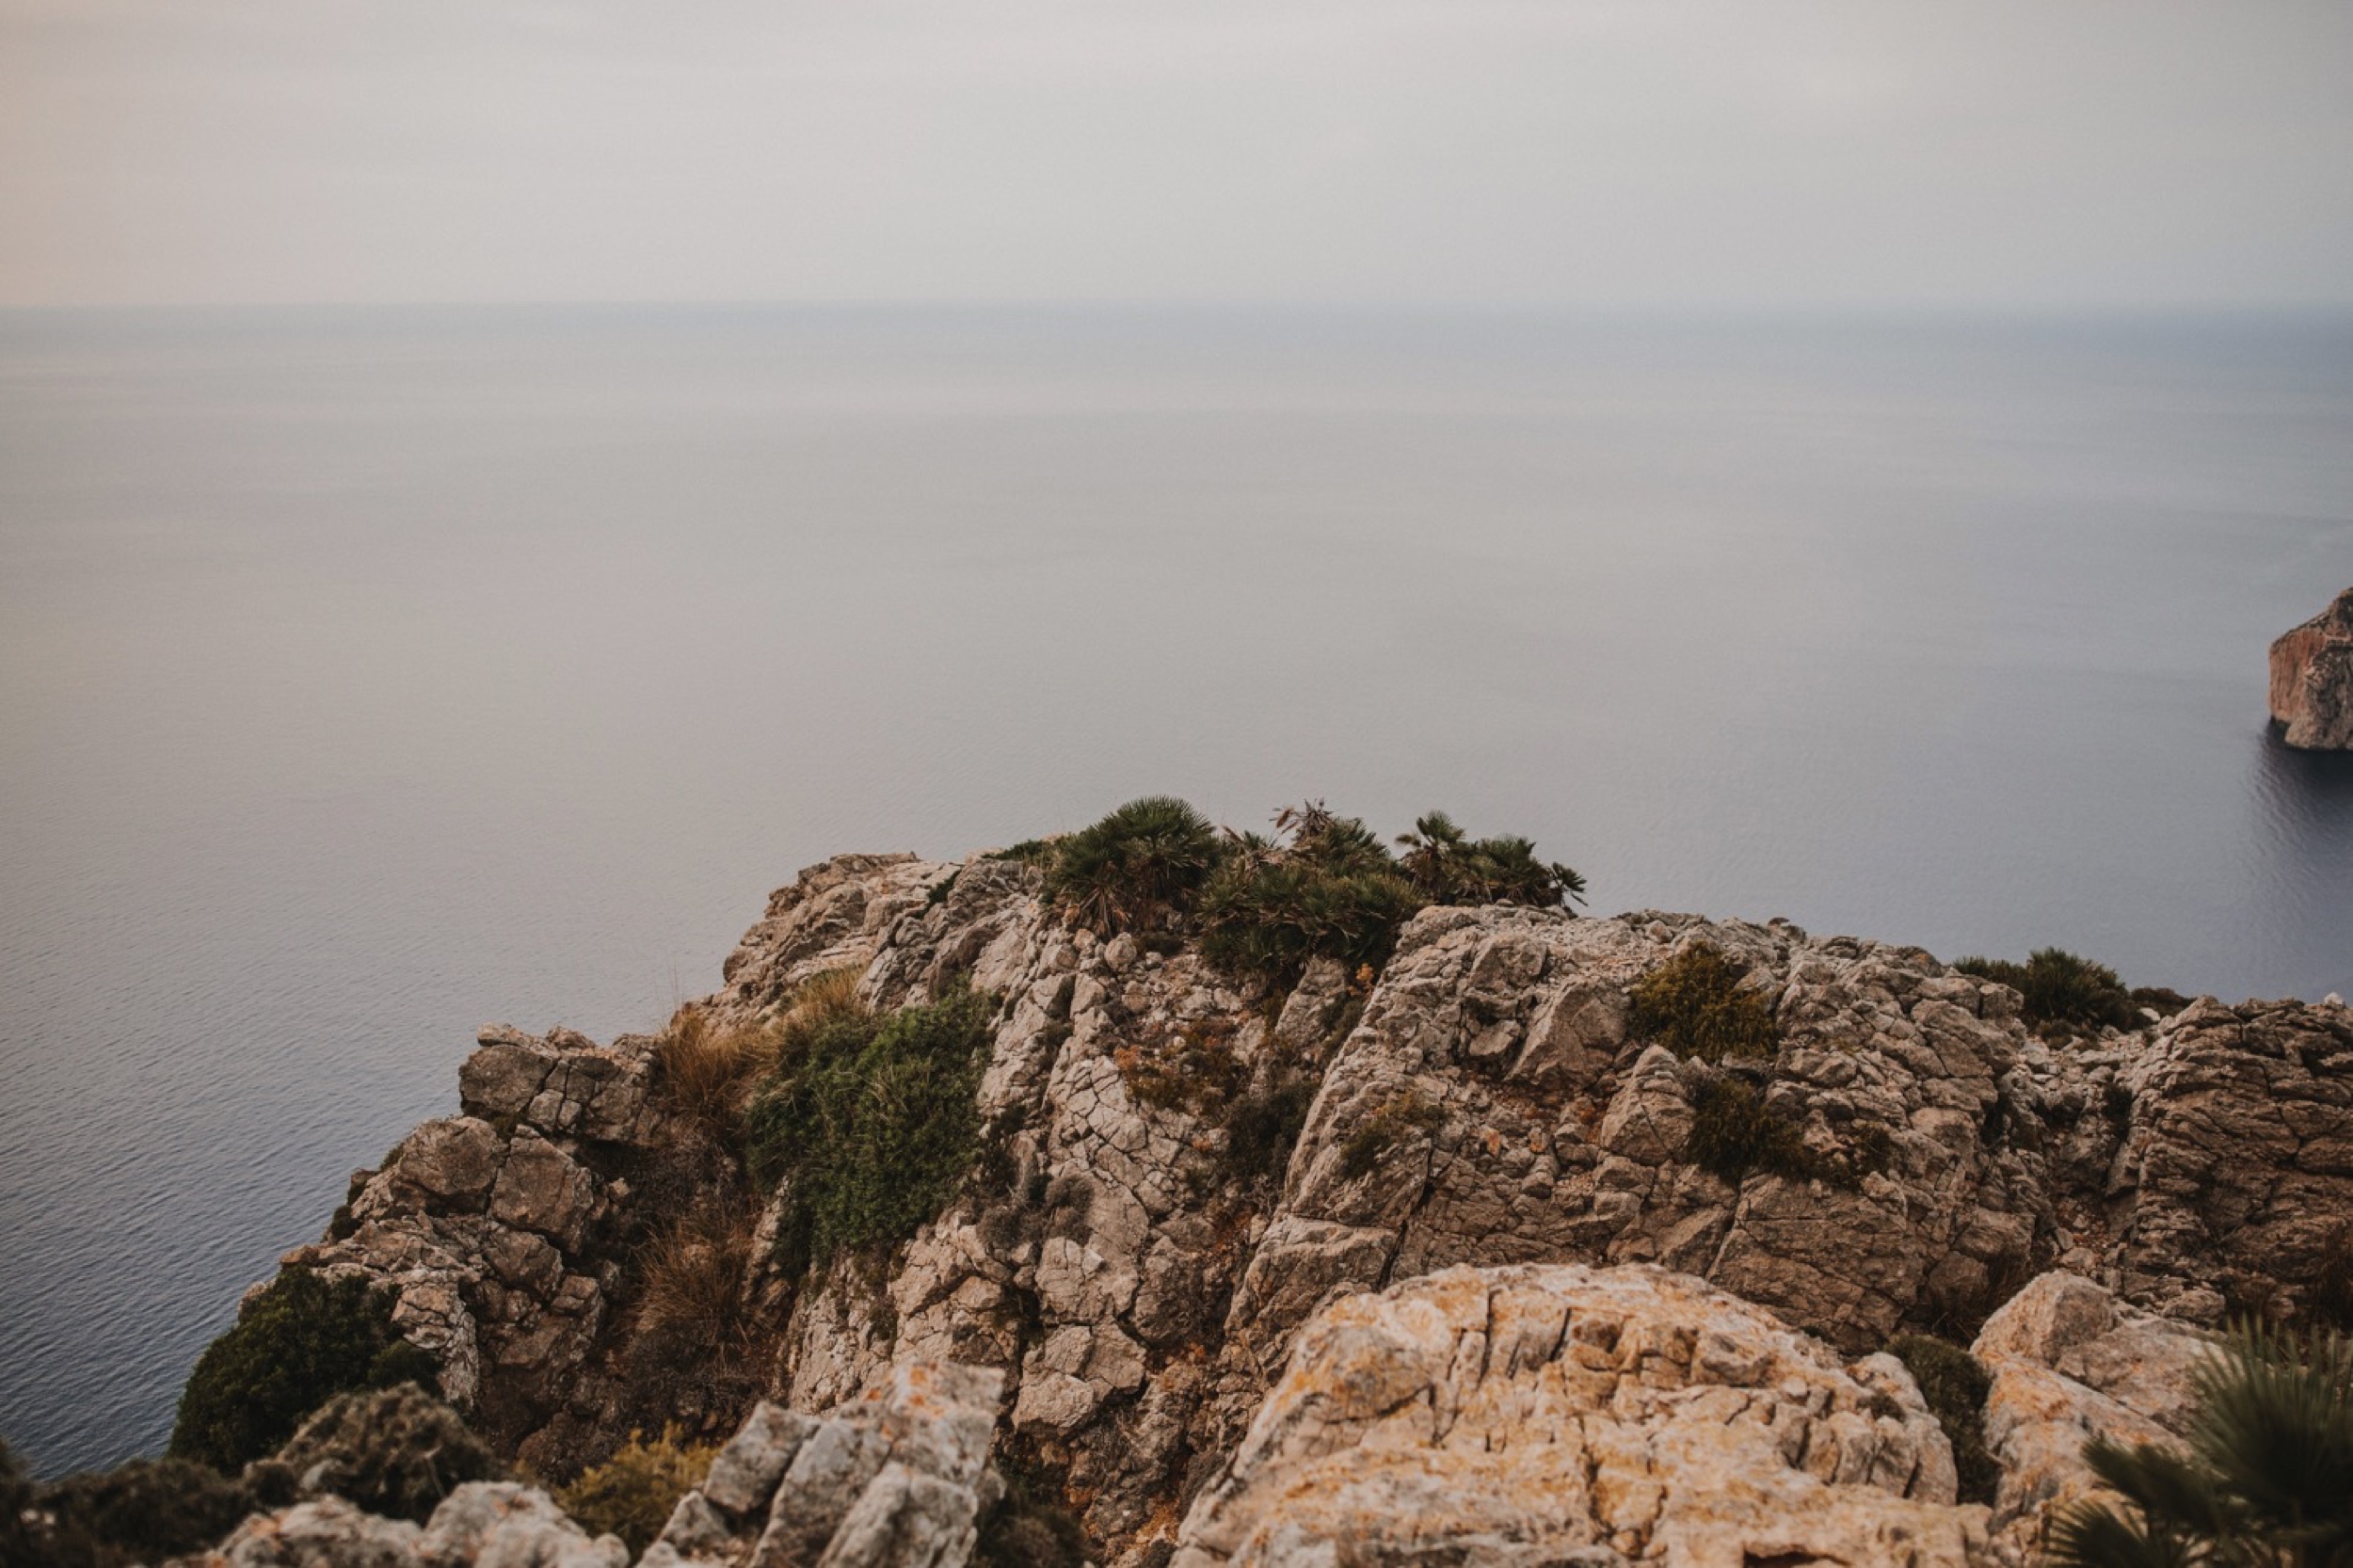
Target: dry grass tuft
column 698, row 1282
column 705, row 1068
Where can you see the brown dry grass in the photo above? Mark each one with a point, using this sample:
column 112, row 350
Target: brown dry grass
column 707, row 1069
column 697, row 1280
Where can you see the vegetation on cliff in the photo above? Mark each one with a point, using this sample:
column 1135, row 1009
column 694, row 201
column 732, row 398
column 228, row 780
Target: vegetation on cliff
column 301, row 1342
column 2061, row 990
column 1695, row 1006
column 1955, row 1386
column 2265, row 1476
column 631, row 1494
column 866, row 1125
column 1323, row 887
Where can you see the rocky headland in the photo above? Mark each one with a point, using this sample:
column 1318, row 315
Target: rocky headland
column 2311, row 679
column 1543, row 1239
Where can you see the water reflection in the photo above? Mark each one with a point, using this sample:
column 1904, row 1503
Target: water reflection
column 2304, row 845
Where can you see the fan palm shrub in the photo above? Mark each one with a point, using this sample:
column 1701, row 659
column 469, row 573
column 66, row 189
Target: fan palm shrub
column 1136, row 869
column 2265, row 1478
column 1328, row 889
column 1450, row 867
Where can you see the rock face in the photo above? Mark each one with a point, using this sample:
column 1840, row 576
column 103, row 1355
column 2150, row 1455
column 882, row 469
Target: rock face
column 896, row 1479
column 1182, row 1170
column 483, row 1525
column 482, row 1222
column 1557, row 1415
column 2311, row 679
column 2069, row 1362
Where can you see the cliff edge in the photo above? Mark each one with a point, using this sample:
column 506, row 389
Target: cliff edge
column 2311, row 679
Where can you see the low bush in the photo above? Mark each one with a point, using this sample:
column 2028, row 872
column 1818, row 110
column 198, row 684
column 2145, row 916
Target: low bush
column 1029, row 851
column 1955, row 1386
column 1262, row 1129
column 300, row 1343
column 1694, row 1005
column 1450, row 867
column 1403, row 1119
column 631, row 1494
column 1136, row 869
column 142, row 1511
column 1733, row 1132
column 868, row 1125
column 2061, row 989
column 1196, row 1068
column 396, row 1451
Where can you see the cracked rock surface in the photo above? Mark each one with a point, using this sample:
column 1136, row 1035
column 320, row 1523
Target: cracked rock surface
column 1565, row 1414
column 1135, row 1256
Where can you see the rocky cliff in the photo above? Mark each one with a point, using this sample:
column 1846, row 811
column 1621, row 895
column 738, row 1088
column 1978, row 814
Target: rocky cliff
column 1577, row 1296
column 2311, row 679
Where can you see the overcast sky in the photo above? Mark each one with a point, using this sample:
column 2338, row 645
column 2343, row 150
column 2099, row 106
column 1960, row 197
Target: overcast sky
column 1576, row 152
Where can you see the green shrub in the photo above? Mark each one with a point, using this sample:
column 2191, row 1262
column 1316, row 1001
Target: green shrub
column 1328, row 889
column 2264, row 1476
column 1029, row 851
column 296, row 1345
column 142, row 1511
column 1955, row 1386
column 2062, row 989
column 1403, row 1118
column 1693, row 1004
column 1135, row 869
column 870, row 1126
column 395, row 1451
column 1735, row 1132
column 631, row 1494
column 1450, row 867
column 1262, row 1129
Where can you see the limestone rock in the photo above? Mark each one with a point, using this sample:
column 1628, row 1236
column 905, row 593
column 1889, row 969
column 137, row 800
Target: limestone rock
column 2233, row 1183
column 1568, row 1414
column 2311, row 679
column 2069, row 1363
column 482, row 1525
column 484, row 1224
column 895, row 1479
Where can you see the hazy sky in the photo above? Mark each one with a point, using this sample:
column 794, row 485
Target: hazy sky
column 1965, row 152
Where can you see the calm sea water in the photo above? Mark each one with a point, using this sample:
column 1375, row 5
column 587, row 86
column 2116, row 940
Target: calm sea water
column 366, row 677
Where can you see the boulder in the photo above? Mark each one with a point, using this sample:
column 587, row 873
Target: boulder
column 2069, row 1363
column 897, row 1477
column 1567, row 1414
column 481, row 1524
column 2311, row 679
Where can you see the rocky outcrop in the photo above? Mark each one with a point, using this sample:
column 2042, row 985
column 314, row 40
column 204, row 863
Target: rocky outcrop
column 1182, row 1170
column 2070, row 1363
column 483, row 1525
column 2232, row 1187
column 896, row 1479
column 484, row 1224
column 2311, row 679
column 1493, row 1107
column 1556, row 1415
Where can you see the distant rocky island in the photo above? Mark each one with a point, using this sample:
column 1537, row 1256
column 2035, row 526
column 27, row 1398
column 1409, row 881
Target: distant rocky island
column 2311, row 679
column 1165, row 1198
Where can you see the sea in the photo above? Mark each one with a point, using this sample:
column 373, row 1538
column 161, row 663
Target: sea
column 370, row 674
